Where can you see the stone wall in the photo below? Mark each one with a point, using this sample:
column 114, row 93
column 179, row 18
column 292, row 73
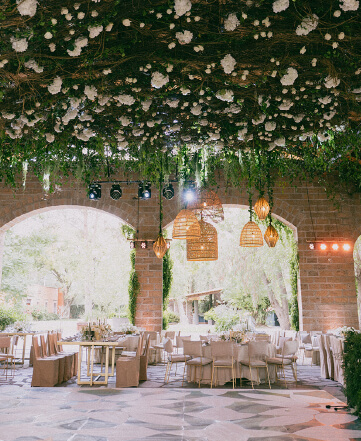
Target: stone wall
column 327, row 294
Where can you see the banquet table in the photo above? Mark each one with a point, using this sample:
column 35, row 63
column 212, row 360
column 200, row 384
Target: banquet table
column 224, row 375
column 23, row 335
column 91, row 346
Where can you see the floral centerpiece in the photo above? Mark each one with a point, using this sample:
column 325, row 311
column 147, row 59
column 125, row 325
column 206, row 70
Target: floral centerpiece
column 129, row 329
column 96, row 331
column 19, row 326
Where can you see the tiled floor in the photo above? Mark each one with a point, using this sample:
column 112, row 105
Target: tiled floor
column 161, row 412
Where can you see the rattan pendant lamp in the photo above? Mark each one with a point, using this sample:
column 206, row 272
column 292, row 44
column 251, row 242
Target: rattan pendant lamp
column 160, row 246
column 261, row 208
column 251, row 235
column 207, row 205
column 186, row 226
column 205, row 247
column 271, row 235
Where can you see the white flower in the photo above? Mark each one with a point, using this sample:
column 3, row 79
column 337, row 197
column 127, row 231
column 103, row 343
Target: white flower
column 266, row 22
column 331, row 82
column 109, row 27
column 171, row 45
column 281, row 142
column 198, row 48
column 231, row 22
column 19, row 45
column 327, row 36
column 49, row 137
column 126, row 22
column 85, row 135
column 159, row 80
column 329, row 115
column 32, row 64
column 52, row 47
column 91, row 92
column 325, row 100
column 125, row 121
column 184, row 37
column 94, row 13
column 48, row 35
column 68, row 17
column 303, row 50
column 125, row 99
column 81, row 15
column 64, row 11
column 286, row 104
column 94, row 31
column 349, row 5
column 146, row 105
column 196, row 110
column 79, row 44
column 182, row 6
column 172, row 103
column 337, row 13
column 228, row 63
column 270, row 126
column 27, row 7
column 259, row 120
column 290, row 77
column 308, row 25
column 225, row 95
column 335, row 45
column 55, row 86
column 341, row 36
column 3, row 62
column 280, row 5
column 107, row 71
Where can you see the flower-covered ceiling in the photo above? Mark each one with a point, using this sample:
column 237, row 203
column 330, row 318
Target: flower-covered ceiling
column 120, row 80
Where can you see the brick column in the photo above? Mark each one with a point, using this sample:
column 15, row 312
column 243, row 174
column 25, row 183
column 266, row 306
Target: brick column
column 149, row 314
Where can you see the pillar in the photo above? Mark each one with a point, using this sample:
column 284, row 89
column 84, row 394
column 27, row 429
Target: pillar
column 195, row 313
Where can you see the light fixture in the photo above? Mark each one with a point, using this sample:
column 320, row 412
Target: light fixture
column 311, row 246
column 331, row 245
column 189, row 194
column 251, row 235
column 143, row 244
column 207, row 204
column 115, row 192
column 186, row 226
column 261, row 208
column 144, row 191
column 160, row 247
column 132, row 244
column 95, row 192
column 168, row 192
column 335, row 246
column 346, row 247
column 271, row 236
column 323, row 246
column 204, row 247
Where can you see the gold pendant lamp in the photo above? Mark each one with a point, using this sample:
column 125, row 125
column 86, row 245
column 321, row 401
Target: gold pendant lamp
column 261, row 208
column 186, row 226
column 205, row 247
column 160, row 246
column 251, row 235
column 207, row 204
column 271, row 236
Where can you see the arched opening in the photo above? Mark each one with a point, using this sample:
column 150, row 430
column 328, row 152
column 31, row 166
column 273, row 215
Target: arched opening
column 67, row 261
column 257, row 281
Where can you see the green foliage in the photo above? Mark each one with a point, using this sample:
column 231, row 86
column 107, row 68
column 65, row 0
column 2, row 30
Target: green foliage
column 223, row 316
column 133, row 289
column 352, row 365
column 172, row 317
column 167, row 278
column 9, row 315
column 41, row 315
column 293, row 304
column 128, row 232
column 165, row 321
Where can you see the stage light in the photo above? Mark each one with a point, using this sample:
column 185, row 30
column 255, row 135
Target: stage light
column 335, row 246
column 115, row 192
column 95, row 192
column 346, row 247
column 311, row 246
column 168, row 192
column 323, row 246
column 144, row 191
column 189, row 194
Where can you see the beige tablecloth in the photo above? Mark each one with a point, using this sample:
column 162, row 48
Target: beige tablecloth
column 225, row 375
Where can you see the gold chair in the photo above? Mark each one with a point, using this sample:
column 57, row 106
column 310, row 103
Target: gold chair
column 222, row 358
column 195, row 351
column 257, row 355
column 7, row 356
column 173, row 359
column 287, row 359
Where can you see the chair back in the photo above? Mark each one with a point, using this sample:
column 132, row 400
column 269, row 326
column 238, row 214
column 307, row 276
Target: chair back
column 139, row 350
column 290, row 347
column 58, row 338
column 192, row 348
column 36, row 347
column 153, row 335
column 52, row 349
column 203, row 337
column 146, row 345
column 180, row 339
column 258, row 350
column 169, row 334
column 168, row 345
column 44, row 349
column 262, row 337
column 305, row 338
column 282, row 341
column 5, row 344
column 222, row 349
column 291, row 334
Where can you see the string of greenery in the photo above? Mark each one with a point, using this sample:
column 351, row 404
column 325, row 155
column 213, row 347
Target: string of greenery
column 352, row 366
column 133, row 289
column 167, row 283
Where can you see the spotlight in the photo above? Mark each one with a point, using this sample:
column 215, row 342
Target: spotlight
column 311, row 246
column 95, row 192
column 189, row 194
column 323, row 246
column 144, row 191
column 346, row 247
column 335, row 246
column 168, row 192
column 115, row 192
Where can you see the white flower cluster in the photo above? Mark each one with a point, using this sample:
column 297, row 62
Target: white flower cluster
column 55, row 86
column 94, row 31
column 280, row 5
column 49, row 137
column 159, row 80
column 331, row 82
column 3, row 62
column 91, row 92
column 231, row 22
column 325, row 99
column 270, row 126
column 225, row 95
column 32, row 64
column 290, row 77
column 27, row 7
column 308, row 25
column 259, row 120
column 19, row 44
column 79, row 44
column 172, row 103
column 349, row 5
column 184, row 37
column 85, row 135
column 182, row 6
column 125, row 99
column 228, row 63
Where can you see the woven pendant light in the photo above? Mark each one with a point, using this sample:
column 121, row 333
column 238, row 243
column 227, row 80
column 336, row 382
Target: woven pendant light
column 251, row 235
column 207, row 205
column 271, row 236
column 186, row 226
column 160, row 246
column 205, row 247
column 261, row 208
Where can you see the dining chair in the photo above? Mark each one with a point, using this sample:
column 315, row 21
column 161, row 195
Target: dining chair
column 195, row 351
column 45, row 370
column 337, row 354
column 257, row 356
column 128, row 368
column 173, row 359
column 330, row 362
column 323, row 356
column 222, row 358
column 144, row 358
column 179, row 341
column 289, row 351
column 7, row 356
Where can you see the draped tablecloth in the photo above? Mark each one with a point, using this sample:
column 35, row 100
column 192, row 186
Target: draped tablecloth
column 224, row 374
